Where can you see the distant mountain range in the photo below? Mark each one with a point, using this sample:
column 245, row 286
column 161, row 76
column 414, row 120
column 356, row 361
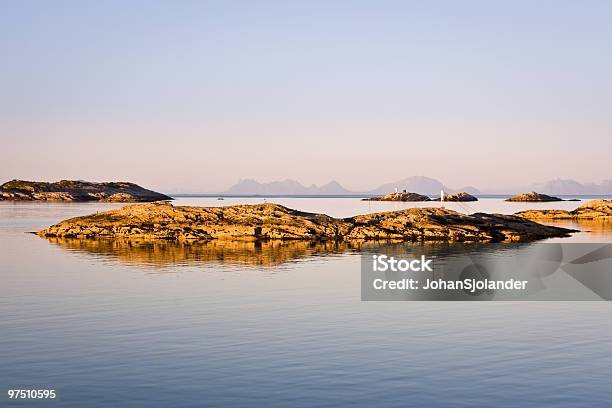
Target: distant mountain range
column 285, row 187
column 416, row 184
column 572, row 187
column 420, row 184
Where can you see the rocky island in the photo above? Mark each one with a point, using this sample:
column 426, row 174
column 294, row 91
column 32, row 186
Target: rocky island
column 593, row 210
column 533, row 197
column 68, row 190
column 458, row 197
column 261, row 222
column 400, row 196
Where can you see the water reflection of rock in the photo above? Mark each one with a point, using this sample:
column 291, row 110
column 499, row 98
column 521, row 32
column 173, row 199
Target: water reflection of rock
column 595, row 228
column 168, row 253
column 266, row 253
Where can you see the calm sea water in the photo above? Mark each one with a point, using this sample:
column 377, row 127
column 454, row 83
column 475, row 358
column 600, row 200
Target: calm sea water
column 113, row 324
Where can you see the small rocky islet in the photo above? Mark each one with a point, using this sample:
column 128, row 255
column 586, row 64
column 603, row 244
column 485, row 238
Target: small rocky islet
column 461, row 196
column 415, row 197
column 400, row 196
column 261, row 222
column 76, row 190
column 533, row 197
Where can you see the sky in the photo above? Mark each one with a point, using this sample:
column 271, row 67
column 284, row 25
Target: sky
column 184, row 96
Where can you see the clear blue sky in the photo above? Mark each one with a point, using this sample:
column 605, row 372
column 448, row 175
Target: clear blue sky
column 191, row 96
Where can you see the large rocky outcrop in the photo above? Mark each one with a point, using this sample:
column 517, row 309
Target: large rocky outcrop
column 593, row 210
column 67, row 190
column 400, row 196
column 260, row 222
column 533, row 197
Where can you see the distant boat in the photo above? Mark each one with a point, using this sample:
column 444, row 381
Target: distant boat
column 220, row 198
